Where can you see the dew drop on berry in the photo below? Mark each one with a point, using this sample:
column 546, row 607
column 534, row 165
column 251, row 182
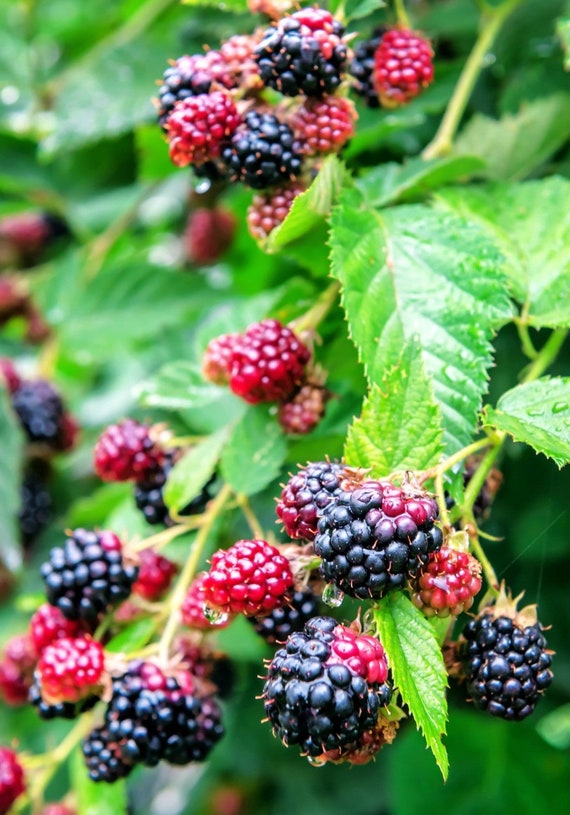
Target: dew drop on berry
column 214, row 616
column 332, row 595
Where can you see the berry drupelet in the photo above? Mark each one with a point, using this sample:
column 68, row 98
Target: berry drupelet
column 126, row 451
column 103, row 757
column 303, row 53
column 262, row 152
column 374, row 538
column 306, row 495
column 403, row 67
column 88, row 575
column 325, row 687
column 12, row 781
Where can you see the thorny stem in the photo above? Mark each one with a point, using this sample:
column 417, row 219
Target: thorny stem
column 250, row 516
column 311, row 318
column 401, row 14
column 189, row 570
column 442, row 142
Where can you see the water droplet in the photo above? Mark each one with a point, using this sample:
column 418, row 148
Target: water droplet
column 332, row 595
column 535, row 411
column 559, row 407
column 316, row 761
column 214, row 616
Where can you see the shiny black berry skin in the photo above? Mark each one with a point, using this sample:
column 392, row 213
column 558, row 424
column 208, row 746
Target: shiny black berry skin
column 362, row 68
column 37, row 507
column 507, row 666
column 41, row 412
column 262, row 152
column 374, row 538
column 103, row 757
column 60, row 710
column 87, row 575
column 314, row 703
column 290, row 617
column 150, row 500
column 305, row 496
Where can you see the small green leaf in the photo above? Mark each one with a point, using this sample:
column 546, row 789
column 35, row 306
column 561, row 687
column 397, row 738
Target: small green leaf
column 357, row 9
column 255, row 452
column 93, row 798
column 133, row 637
column 400, row 425
column 194, row 470
column 180, row 386
column 11, row 444
column 536, row 413
column 418, row 669
column 563, row 31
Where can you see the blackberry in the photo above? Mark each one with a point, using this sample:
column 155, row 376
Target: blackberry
column 126, row 451
column 447, row 584
column 12, row 780
column 199, row 126
column 149, row 494
column 58, row 710
column 322, row 692
column 103, row 757
column 36, row 509
column 70, row 669
column 156, row 573
column 9, row 375
column 374, row 538
column 297, row 610
column 190, row 76
column 262, row 152
column 362, row 68
column 269, row 209
column 208, row 234
column 238, row 55
column 305, row 496
column 48, row 624
column 303, row 412
column 57, row 809
column 17, row 666
column 193, row 605
column 217, row 356
column 403, row 67
column 505, row 661
column 303, row 53
column 324, row 125
column 88, row 575
column 41, row 412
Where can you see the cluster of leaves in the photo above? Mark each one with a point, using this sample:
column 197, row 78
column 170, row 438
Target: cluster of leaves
column 454, row 273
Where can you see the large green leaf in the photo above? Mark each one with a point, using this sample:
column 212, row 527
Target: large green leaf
column 400, row 425
column 413, row 273
column 563, row 31
column 536, row 413
column 11, row 443
column 254, row 455
column 189, row 475
column 180, row 386
column 417, row 666
column 530, row 223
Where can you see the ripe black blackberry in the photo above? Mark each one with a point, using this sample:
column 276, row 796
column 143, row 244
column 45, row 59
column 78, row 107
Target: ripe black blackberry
column 41, row 412
column 303, row 53
column 58, row 710
column 305, row 496
column 37, row 507
column 297, row 610
column 88, row 575
column 103, row 757
column 314, row 698
column 150, row 500
column 262, row 152
column 505, row 660
column 362, row 68
column 374, row 538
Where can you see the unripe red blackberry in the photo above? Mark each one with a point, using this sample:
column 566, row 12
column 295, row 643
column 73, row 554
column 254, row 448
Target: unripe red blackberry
column 374, row 538
column 70, row 669
column 58, row 809
column 36, row 508
column 251, row 577
column 268, row 210
column 19, row 658
column 238, row 55
column 361, row 68
column 48, row 624
column 41, row 411
column 149, row 497
column 324, row 125
column 9, row 375
column 325, row 687
column 190, row 76
column 12, row 781
column 305, row 496
column 299, row 607
column 88, row 575
column 156, row 573
column 447, row 584
column 403, row 67
column 208, row 233
column 126, row 451
column 505, row 660
column 271, row 8
column 267, row 363
column 192, row 609
column 262, row 152
column 302, row 413
column 304, row 53
column 217, row 356
column 199, row 126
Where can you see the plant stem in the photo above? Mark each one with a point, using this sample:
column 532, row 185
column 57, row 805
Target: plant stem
column 401, row 14
column 250, row 516
column 477, row 480
column 456, row 458
column 442, row 142
column 527, row 344
column 311, row 318
column 545, row 356
column 479, row 553
column 189, row 570
column 167, row 535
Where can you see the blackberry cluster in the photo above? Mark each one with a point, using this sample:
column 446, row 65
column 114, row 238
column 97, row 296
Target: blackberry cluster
column 199, row 126
column 190, row 76
column 156, row 573
column 403, row 66
column 37, row 507
column 303, row 53
column 126, row 450
column 88, row 575
column 362, row 68
column 306, row 495
column 103, row 758
column 324, row 126
column 297, row 610
column 374, row 538
column 262, row 152
column 316, row 699
column 304, row 410
column 208, row 234
column 506, row 664
column 149, row 494
column 59, row 710
column 41, row 412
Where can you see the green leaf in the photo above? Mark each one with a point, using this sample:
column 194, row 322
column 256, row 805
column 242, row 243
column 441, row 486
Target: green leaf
column 514, row 145
column 530, row 223
column 255, row 452
column 357, row 9
column 11, row 444
column 536, row 413
column 193, row 470
column 180, row 386
column 409, row 273
column 400, row 425
column 133, row 637
column 563, row 31
column 234, row 5
column 391, row 183
column 93, row 798
column 417, row 666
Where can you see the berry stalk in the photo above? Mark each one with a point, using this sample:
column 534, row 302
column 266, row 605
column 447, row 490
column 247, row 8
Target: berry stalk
column 319, row 311
column 401, row 14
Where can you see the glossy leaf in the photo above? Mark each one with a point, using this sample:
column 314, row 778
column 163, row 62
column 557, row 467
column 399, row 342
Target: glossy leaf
column 194, row 470
column 254, row 455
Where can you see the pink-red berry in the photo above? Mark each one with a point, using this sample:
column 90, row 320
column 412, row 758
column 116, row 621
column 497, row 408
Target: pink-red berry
column 12, row 781
column 70, row 669
column 267, row 363
column 269, row 209
column 48, row 624
column 250, row 577
column 156, row 573
column 324, row 125
column 237, row 53
column 302, row 413
column 208, row 233
column 198, row 127
column 9, row 375
column 194, row 604
column 58, row 809
column 217, row 356
column 305, row 496
column 363, row 654
column 447, row 584
column 403, row 67
column 19, row 658
column 126, row 451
